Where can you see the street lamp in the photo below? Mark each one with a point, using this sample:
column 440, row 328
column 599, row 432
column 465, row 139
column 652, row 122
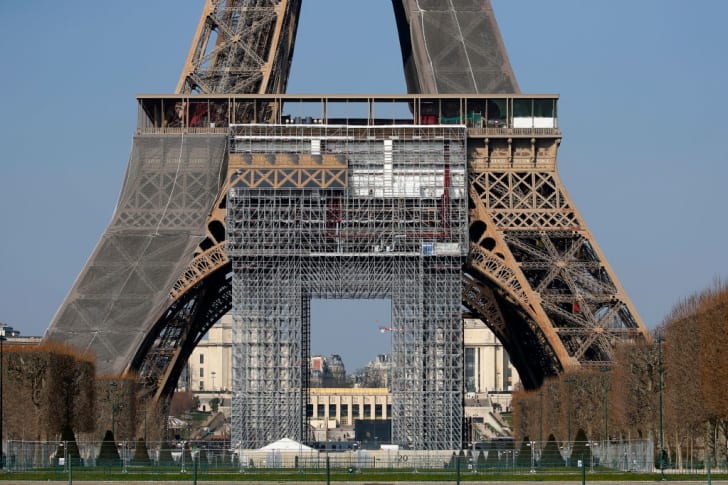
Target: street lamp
column 113, row 410
column 532, row 444
column 659, row 371
column 568, row 381
column 68, row 380
column 605, row 370
column 540, row 418
column 2, row 369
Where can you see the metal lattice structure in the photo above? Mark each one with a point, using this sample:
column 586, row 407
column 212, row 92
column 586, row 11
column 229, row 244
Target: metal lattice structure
column 561, row 300
column 533, row 273
column 448, row 46
column 242, row 46
column 160, row 219
column 347, row 212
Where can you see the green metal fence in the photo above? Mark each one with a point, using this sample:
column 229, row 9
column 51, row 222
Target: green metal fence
column 207, row 461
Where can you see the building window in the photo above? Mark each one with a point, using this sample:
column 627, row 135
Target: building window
column 355, row 410
column 202, row 358
column 367, row 411
column 319, row 410
column 344, row 410
column 470, row 369
column 309, row 410
column 202, row 386
column 332, row 410
column 202, row 372
column 377, row 410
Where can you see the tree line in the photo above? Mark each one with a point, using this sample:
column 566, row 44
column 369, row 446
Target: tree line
column 688, row 354
column 52, row 390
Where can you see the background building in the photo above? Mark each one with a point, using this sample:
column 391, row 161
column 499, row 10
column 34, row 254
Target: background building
column 209, row 369
column 13, row 336
column 327, row 371
column 489, row 374
column 333, row 411
column 376, row 373
column 489, row 381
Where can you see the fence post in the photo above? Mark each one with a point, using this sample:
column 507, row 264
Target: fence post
column 457, row 469
column 195, row 461
column 124, row 455
column 70, row 472
column 707, row 461
column 328, row 471
column 182, row 459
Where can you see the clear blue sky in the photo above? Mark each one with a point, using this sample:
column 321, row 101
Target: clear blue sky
column 643, row 110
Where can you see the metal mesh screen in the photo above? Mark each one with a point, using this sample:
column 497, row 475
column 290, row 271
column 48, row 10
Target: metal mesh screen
column 170, row 186
column 457, row 47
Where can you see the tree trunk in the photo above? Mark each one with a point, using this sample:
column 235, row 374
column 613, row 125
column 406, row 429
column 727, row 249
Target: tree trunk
column 678, row 452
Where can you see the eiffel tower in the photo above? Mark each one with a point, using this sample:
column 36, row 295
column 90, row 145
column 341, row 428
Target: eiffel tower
column 161, row 277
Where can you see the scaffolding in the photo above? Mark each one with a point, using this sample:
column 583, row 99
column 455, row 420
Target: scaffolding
column 364, row 212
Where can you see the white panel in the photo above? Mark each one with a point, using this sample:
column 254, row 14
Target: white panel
column 542, row 122
column 387, row 167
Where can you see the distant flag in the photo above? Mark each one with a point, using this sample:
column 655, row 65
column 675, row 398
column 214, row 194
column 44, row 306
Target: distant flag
column 385, row 329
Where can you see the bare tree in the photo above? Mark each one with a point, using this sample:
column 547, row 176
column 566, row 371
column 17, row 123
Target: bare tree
column 46, row 387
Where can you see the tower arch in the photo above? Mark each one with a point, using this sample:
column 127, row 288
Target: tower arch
column 160, row 276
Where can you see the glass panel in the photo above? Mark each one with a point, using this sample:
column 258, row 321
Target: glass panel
column 429, row 112
column 522, row 108
column 199, row 115
column 218, row 114
column 543, row 108
column 496, row 112
column 469, row 369
column 451, row 112
column 174, row 112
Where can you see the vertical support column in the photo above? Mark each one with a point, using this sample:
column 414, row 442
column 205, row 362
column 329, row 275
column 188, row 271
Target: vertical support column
column 305, row 362
column 408, row 370
column 270, row 319
column 443, row 352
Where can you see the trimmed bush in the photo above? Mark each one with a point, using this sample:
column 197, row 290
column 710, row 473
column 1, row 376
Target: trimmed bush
column 109, row 455
column 551, row 457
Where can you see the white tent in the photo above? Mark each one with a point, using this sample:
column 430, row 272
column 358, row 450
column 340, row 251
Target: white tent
column 176, row 423
column 286, row 444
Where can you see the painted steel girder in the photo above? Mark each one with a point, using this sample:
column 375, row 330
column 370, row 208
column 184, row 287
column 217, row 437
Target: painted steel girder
column 246, row 46
column 241, row 46
column 528, row 347
column 556, row 274
column 450, row 46
column 160, row 360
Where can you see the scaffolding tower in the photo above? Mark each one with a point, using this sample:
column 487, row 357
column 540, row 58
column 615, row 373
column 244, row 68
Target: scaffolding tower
column 342, row 211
